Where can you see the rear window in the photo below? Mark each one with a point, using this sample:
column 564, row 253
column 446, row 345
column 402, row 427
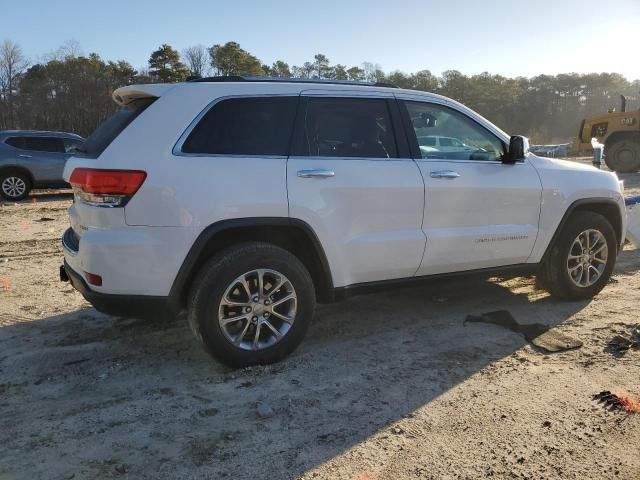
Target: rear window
column 37, row 144
column 113, row 126
column 245, row 126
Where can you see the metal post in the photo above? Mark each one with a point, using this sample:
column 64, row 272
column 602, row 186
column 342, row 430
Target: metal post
column 597, row 156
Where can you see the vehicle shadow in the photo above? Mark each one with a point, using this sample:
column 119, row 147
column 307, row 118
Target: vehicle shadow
column 628, row 262
column 146, row 399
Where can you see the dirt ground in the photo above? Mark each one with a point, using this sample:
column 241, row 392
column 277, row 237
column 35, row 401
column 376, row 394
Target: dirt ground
column 386, row 386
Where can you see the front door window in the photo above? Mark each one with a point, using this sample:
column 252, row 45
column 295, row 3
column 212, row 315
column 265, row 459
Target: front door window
column 445, row 134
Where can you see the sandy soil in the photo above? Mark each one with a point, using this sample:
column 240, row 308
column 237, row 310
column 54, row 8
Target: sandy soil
column 386, row 386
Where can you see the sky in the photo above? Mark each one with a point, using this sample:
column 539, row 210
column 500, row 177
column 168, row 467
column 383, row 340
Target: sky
column 508, row 37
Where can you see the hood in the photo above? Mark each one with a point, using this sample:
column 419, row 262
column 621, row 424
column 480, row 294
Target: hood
column 568, row 175
column 563, row 164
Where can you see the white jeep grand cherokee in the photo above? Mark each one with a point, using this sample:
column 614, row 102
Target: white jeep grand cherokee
column 246, row 200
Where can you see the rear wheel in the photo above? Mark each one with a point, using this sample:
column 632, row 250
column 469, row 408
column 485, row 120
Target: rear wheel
column 251, row 304
column 623, row 155
column 580, row 263
column 14, row 185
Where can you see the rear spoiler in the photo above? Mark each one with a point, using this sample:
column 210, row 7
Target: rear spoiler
column 123, row 96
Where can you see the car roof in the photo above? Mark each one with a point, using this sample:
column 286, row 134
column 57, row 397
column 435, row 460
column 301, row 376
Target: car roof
column 129, row 93
column 39, row 133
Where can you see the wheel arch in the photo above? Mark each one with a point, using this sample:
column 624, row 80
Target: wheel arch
column 607, row 207
column 18, row 168
column 293, row 235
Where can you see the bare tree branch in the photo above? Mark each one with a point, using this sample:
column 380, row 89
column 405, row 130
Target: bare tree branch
column 197, row 59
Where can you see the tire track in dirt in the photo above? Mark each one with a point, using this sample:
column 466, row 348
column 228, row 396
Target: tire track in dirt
column 30, row 248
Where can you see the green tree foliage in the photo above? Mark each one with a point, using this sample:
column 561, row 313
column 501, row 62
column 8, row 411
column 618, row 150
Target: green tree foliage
column 304, row 71
column 277, row 69
column 71, row 95
column 355, row 74
column 165, row 65
column 321, row 68
column 231, row 59
column 339, row 72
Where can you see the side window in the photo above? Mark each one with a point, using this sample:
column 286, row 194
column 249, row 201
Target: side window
column 459, row 137
column 71, row 145
column 427, row 141
column 16, row 142
column 346, row 127
column 44, row 144
column 245, row 126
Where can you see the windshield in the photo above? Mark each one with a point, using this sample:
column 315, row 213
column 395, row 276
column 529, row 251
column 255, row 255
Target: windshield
column 108, row 130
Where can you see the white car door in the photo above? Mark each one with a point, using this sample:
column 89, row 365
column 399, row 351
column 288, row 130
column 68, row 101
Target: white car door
column 351, row 178
column 479, row 211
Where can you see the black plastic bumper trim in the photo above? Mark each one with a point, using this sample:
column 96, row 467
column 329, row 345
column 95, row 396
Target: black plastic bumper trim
column 137, row 306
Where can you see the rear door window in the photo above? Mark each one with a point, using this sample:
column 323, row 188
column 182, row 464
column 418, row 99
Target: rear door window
column 37, row 144
column 244, row 126
column 346, row 127
column 45, row 144
column 16, row 142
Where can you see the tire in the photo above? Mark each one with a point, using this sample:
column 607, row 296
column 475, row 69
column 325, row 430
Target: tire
column 14, row 185
column 564, row 277
column 623, row 155
column 221, row 278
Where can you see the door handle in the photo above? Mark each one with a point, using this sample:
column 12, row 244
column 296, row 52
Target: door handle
column 24, row 156
column 451, row 174
column 316, row 173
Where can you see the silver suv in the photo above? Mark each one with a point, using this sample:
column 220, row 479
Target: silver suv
column 31, row 159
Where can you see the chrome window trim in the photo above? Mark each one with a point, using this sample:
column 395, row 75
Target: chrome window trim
column 450, row 160
column 177, row 148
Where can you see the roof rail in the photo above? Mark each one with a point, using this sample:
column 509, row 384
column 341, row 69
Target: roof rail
column 238, row 78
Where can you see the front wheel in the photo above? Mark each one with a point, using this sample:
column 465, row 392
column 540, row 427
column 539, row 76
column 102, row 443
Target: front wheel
column 251, row 304
column 580, row 262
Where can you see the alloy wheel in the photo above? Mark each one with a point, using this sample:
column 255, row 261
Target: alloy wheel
column 257, row 309
column 587, row 259
column 13, row 187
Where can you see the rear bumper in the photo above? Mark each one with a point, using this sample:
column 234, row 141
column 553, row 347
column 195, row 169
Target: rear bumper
column 137, row 306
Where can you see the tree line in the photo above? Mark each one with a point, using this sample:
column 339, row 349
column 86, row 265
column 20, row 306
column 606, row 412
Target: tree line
column 69, row 91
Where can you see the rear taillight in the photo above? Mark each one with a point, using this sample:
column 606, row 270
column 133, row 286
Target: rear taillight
column 106, row 188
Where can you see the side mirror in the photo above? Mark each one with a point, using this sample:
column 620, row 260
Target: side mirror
column 518, row 149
